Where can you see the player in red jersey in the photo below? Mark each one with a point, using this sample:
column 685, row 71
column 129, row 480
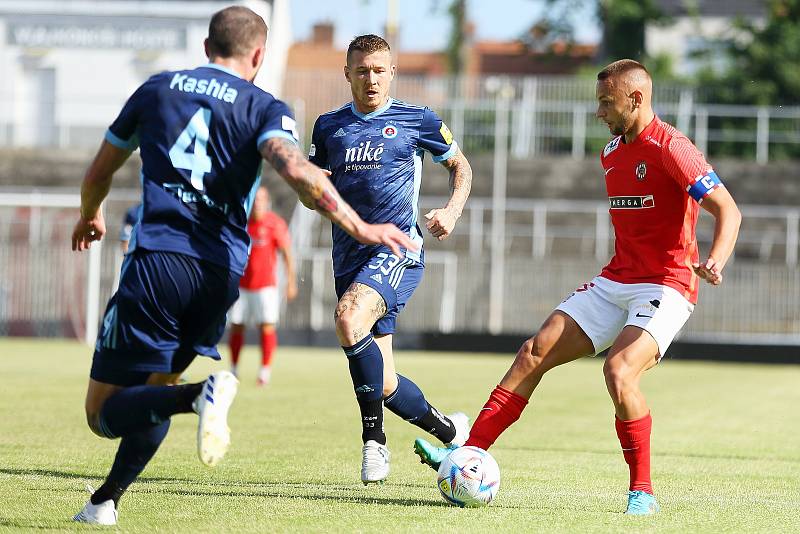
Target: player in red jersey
column 657, row 181
column 258, row 299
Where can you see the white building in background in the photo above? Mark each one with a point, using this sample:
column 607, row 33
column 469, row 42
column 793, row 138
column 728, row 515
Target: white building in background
column 694, row 26
column 68, row 65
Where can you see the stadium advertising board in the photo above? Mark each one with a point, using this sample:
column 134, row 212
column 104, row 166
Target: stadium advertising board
column 42, row 31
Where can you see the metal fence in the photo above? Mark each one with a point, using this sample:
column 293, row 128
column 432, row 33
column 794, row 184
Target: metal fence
column 547, row 115
column 46, row 289
column 555, row 114
column 564, row 229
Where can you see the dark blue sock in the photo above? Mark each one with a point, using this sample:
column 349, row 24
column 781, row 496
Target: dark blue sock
column 135, row 451
column 408, row 402
column 366, row 370
column 138, row 408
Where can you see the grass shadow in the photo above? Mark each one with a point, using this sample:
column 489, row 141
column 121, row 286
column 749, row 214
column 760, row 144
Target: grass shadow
column 23, row 524
column 664, row 454
column 330, row 496
column 324, row 491
column 70, row 475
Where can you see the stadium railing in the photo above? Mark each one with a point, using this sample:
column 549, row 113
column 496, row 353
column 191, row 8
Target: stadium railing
column 551, row 248
column 547, row 114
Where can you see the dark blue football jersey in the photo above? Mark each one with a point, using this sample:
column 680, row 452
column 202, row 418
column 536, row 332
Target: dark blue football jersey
column 129, row 222
column 376, row 165
column 199, row 131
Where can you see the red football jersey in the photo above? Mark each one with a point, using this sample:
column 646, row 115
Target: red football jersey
column 655, row 185
column 267, row 235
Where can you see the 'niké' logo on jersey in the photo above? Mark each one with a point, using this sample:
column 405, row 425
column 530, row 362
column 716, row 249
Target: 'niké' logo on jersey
column 631, row 203
column 364, row 152
column 363, row 157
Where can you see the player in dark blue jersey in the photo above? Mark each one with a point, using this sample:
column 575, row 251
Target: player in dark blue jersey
column 374, row 147
column 202, row 135
column 128, row 223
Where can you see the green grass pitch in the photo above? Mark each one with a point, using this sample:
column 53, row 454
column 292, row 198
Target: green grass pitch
column 726, row 449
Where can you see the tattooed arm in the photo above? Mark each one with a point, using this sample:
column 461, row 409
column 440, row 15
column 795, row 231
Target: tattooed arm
column 318, row 193
column 441, row 222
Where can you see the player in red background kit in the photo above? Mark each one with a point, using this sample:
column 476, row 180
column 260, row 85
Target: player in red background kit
column 258, row 300
column 656, row 181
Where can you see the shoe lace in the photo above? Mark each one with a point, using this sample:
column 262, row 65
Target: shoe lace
column 374, row 457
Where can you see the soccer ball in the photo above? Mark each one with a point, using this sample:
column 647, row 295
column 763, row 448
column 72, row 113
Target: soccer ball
column 469, row 476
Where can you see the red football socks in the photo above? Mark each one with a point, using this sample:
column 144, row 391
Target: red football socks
column 236, row 340
column 634, row 436
column 500, row 411
column 268, row 343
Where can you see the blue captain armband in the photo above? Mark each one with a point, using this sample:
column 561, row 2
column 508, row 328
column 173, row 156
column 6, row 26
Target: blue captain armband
column 704, row 185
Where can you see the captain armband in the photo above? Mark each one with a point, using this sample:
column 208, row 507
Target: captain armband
column 704, row 185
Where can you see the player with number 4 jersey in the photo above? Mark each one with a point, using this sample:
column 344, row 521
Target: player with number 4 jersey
column 202, row 134
column 374, row 147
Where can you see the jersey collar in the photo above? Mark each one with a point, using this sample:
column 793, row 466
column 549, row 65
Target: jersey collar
column 222, row 68
column 371, row 114
column 646, row 132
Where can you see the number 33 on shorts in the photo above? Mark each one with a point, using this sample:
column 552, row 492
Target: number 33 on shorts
column 385, row 262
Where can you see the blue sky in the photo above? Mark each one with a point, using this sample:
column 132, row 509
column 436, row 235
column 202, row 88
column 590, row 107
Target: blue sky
column 421, row 26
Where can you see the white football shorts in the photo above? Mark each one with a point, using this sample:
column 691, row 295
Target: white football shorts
column 602, row 308
column 255, row 307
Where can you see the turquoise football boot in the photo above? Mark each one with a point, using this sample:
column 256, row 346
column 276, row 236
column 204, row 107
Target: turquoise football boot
column 430, row 454
column 641, row 503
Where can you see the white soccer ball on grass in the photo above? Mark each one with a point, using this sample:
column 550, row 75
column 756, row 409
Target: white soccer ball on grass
column 469, row 477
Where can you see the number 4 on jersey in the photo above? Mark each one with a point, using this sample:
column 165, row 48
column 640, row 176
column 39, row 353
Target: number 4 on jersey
column 198, row 162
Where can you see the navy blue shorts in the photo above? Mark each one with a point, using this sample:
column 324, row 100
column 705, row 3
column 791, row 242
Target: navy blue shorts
column 168, row 308
column 394, row 278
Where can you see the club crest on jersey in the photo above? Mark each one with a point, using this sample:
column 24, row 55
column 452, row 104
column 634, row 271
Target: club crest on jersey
column 641, row 171
column 611, row 146
column 389, row 131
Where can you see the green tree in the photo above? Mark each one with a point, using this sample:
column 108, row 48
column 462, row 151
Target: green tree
column 457, row 40
column 764, row 60
column 624, row 23
column 760, row 69
column 554, row 26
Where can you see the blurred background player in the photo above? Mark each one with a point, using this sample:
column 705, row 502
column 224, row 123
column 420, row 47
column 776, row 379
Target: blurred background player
column 374, row 147
column 189, row 250
column 258, row 301
column 656, row 181
column 128, row 222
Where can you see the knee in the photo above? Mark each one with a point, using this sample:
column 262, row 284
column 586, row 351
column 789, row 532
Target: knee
column 267, row 328
column 93, row 421
column 348, row 328
column 529, row 356
column 237, row 328
column 390, row 384
column 619, row 378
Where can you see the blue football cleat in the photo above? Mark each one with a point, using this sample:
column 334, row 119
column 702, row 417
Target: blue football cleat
column 430, row 454
column 641, row 503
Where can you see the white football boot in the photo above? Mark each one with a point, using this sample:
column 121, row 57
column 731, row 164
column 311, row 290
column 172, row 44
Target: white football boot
column 374, row 462
column 104, row 513
column 461, row 422
column 212, row 405
column 264, row 376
